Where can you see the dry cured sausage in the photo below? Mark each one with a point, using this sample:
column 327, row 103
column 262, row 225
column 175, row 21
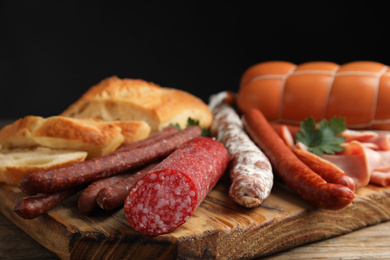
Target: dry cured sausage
column 168, row 195
column 170, row 130
column 87, row 203
column 114, row 195
column 102, row 167
column 249, row 169
column 35, row 206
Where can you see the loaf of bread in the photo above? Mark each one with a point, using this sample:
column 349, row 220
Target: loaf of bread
column 16, row 163
column 95, row 137
column 134, row 99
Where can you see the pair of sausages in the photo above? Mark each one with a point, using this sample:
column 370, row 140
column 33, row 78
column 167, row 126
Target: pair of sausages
column 109, row 193
column 319, row 183
column 54, row 185
column 295, row 173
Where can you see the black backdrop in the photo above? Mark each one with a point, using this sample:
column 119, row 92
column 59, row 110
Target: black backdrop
column 53, row 51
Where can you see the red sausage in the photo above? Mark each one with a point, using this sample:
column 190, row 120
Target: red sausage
column 38, row 205
column 114, row 195
column 295, row 174
column 102, row 167
column 168, row 195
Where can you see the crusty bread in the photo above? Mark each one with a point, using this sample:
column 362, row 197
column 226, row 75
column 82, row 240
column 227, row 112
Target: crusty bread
column 93, row 136
column 136, row 99
column 16, row 163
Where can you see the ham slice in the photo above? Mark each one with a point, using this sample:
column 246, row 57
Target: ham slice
column 381, row 173
column 356, row 161
column 366, row 158
column 371, row 139
column 286, row 135
column 382, row 141
column 356, row 135
column 381, row 178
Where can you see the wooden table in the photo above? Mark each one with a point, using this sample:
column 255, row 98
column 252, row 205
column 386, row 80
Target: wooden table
column 371, row 242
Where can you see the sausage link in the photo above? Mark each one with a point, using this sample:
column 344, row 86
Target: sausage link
column 102, row 167
column 327, row 170
column 86, row 203
column 34, row 206
column 113, row 196
column 249, row 169
column 176, row 186
column 167, row 131
column 295, row 174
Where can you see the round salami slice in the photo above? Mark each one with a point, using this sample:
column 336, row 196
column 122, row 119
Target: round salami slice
column 167, row 196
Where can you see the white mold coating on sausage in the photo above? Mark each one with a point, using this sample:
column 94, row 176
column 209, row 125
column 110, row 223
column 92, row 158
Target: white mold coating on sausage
column 250, row 170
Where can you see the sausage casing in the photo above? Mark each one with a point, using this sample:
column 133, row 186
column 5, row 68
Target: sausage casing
column 289, row 93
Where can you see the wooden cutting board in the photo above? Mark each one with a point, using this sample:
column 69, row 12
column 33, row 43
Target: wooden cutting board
column 219, row 229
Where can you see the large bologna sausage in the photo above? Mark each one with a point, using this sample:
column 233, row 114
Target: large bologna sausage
column 167, row 196
column 289, row 93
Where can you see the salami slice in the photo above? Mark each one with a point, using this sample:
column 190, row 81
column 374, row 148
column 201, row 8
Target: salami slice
column 167, row 196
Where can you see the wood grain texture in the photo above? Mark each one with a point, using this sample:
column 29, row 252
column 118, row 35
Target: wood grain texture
column 219, row 228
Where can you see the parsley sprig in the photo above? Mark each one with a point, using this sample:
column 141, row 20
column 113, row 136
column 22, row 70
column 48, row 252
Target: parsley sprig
column 323, row 138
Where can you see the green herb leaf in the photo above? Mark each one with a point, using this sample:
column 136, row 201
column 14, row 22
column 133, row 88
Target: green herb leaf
column 323, row 138
column 176, row 125
column 191, row 122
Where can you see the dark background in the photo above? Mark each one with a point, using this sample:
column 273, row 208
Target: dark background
column 51, row 52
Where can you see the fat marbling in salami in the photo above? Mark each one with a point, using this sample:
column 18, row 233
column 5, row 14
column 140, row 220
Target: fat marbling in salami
column 167, row 196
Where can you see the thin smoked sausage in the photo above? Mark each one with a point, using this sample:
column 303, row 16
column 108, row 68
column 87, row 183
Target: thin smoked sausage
column 114, row 195
column 295, row 174
column 102, row 167
column 170, row 130
column 87, row 203
column 35, row 206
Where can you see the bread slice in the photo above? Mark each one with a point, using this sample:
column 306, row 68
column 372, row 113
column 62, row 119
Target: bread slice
column 95, row 137
column 135, row 99
column 17, row 163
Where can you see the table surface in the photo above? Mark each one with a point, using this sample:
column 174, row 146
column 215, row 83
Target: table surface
column 371, row 242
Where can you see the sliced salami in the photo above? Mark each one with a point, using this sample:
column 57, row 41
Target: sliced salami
column 167, row 196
